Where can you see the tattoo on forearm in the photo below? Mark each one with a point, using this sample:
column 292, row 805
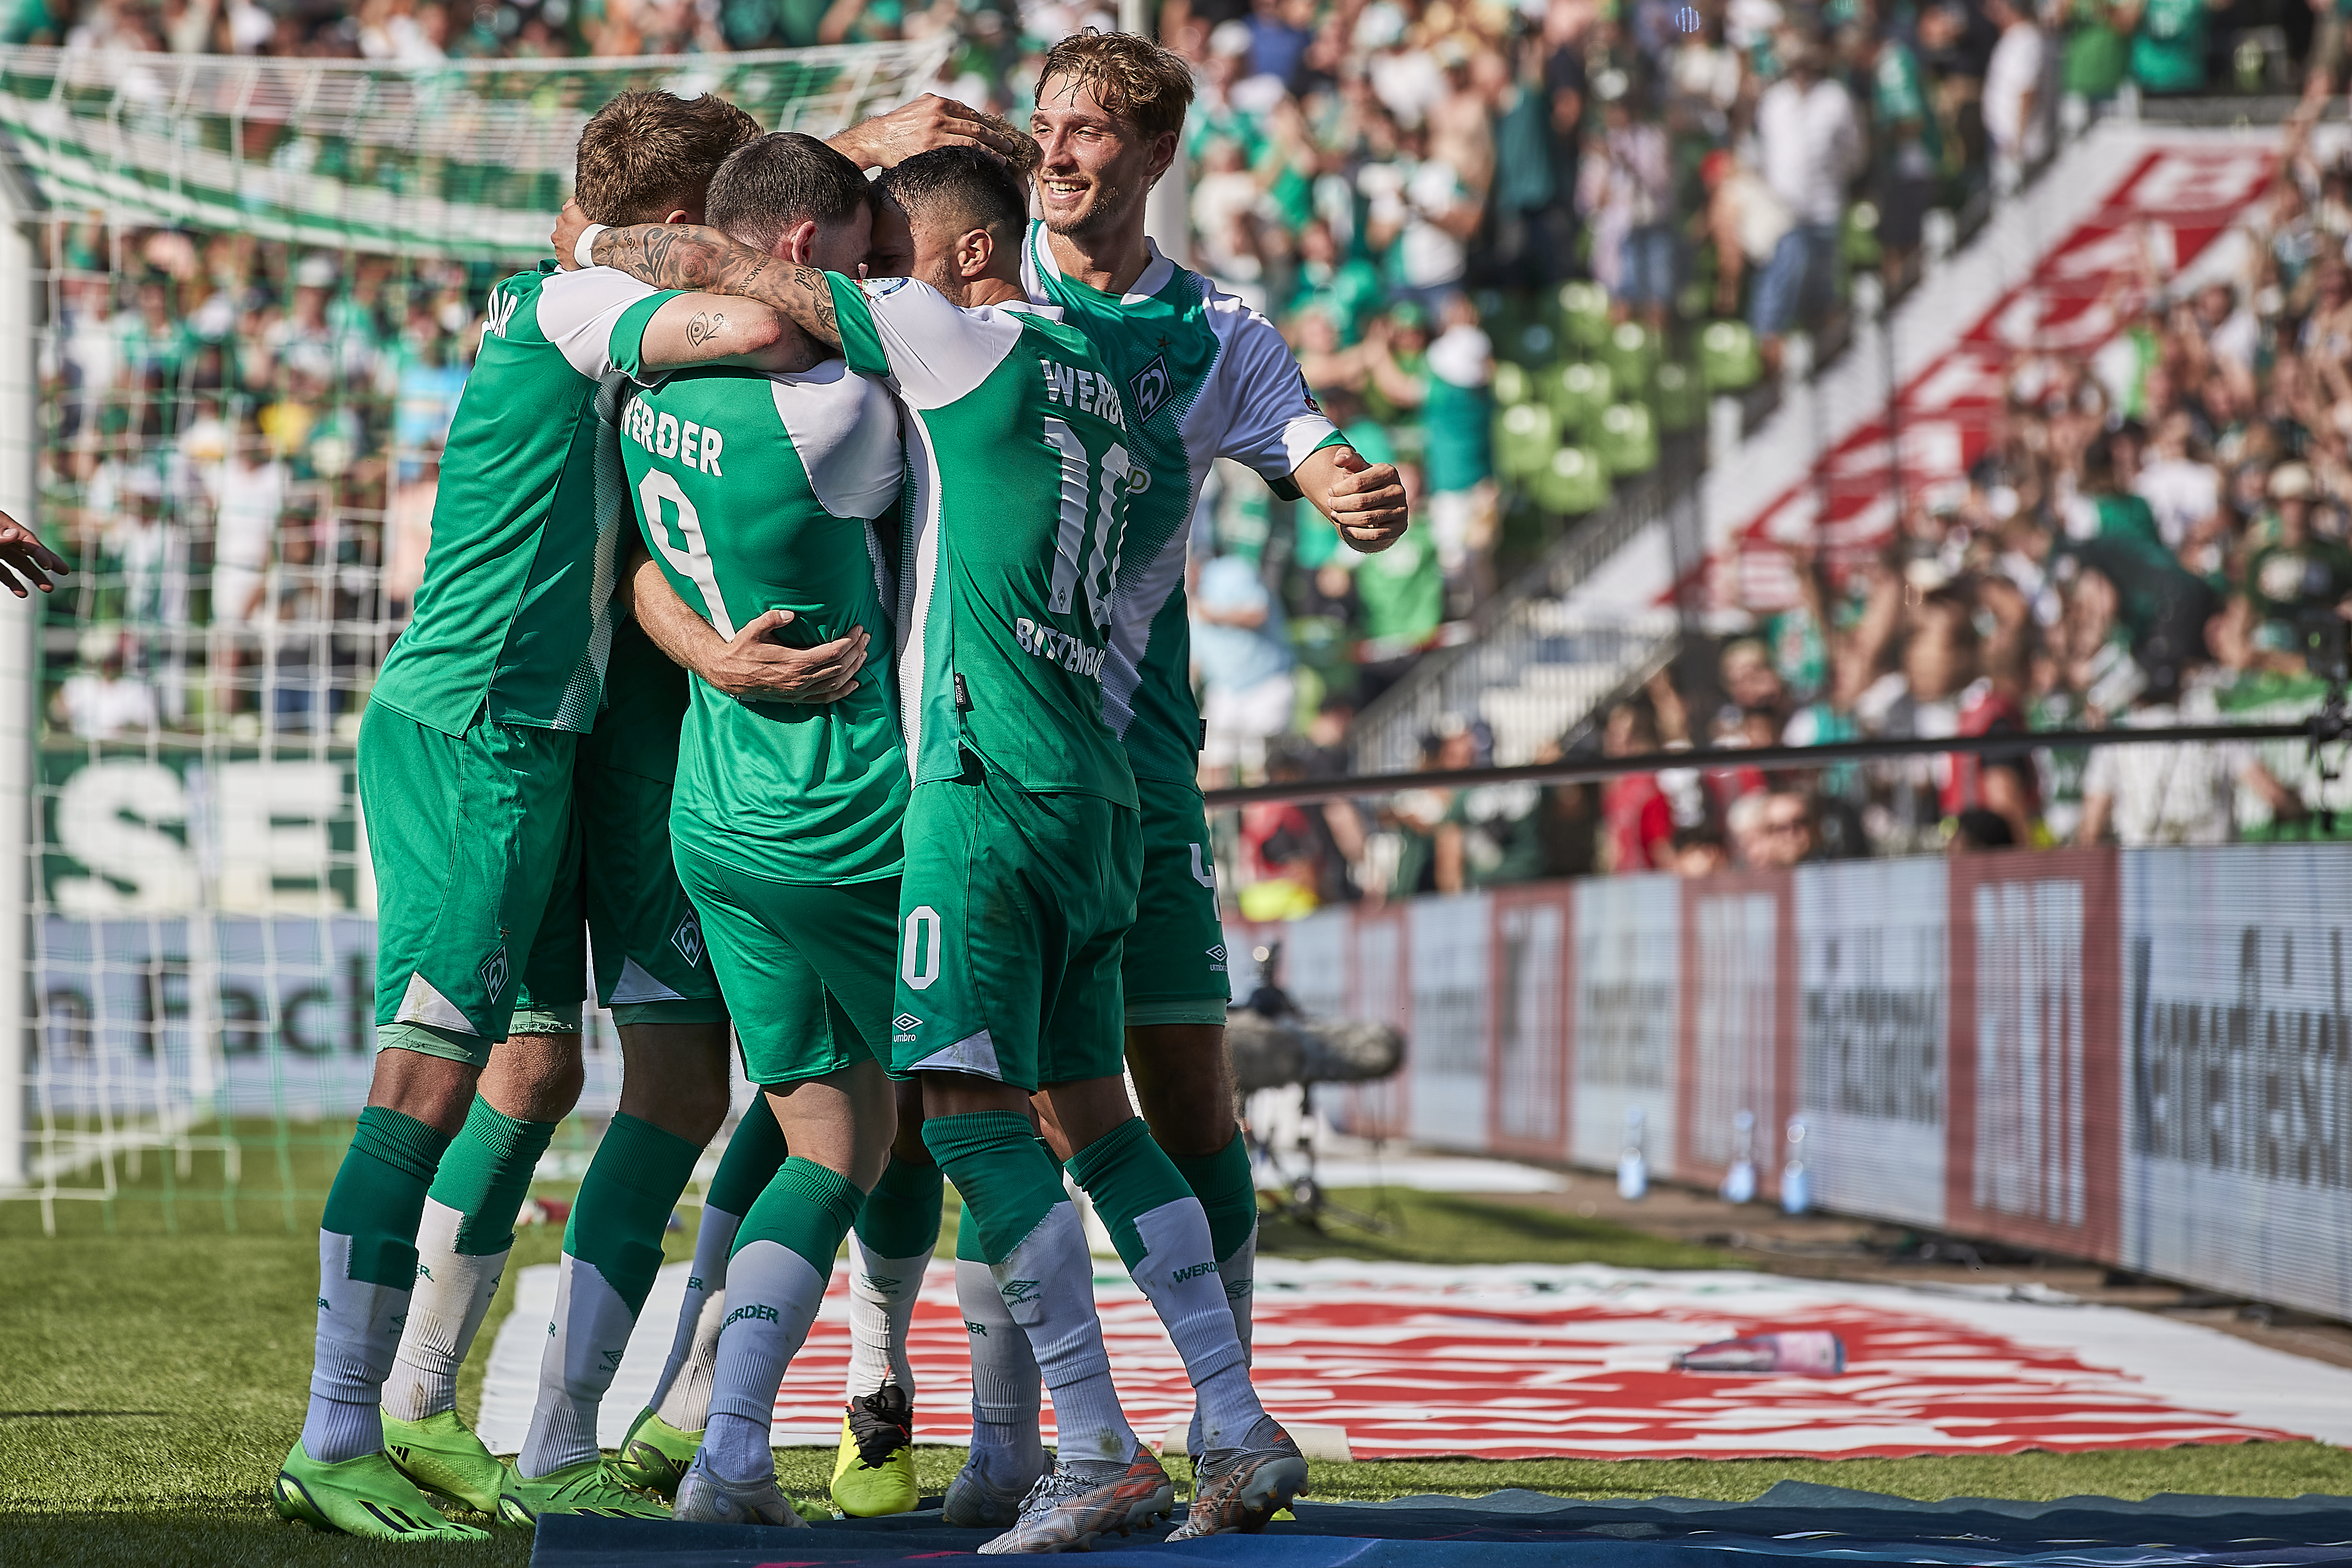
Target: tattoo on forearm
column 705, row 326
column 692, row 256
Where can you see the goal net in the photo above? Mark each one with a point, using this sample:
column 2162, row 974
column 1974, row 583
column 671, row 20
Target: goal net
column 256, row 287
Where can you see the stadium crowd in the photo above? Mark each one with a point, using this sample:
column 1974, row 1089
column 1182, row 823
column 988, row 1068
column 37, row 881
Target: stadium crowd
column 1424, row 194
column 2153, row 538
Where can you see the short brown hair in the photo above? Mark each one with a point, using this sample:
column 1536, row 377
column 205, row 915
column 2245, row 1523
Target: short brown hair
column 1134, row 78
column 777, row 181
column 648, row 154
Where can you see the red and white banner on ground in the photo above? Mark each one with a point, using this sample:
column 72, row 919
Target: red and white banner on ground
column 2138, row 1057
column 1523, row 1363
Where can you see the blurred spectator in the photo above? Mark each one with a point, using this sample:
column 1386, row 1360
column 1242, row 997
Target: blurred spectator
column 2017, row 107
column 1811, row 146
column 1637, row 821
column 1976, row 829
column 1699, row 851
column 1244, row 656
column 1625, row 190
column 100, row 701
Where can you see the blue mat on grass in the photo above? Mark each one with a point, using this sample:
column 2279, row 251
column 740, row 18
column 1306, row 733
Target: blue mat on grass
column 1795, row 1522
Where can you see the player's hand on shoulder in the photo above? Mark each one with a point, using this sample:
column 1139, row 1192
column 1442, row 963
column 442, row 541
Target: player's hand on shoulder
column 569, row 226
column 929, row 121
column 1368, row 504
column 754, row 667
column 25, row 559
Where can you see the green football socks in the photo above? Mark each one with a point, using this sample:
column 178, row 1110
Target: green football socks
column 889, row 1251
column 612, row 1251
column 367, row 1266
column 462, row 1243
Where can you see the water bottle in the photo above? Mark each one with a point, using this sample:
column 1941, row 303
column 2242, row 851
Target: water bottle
column 1803, row 1353
column 1739, row 1181
column 1796, row 1188
column 1633, row 1169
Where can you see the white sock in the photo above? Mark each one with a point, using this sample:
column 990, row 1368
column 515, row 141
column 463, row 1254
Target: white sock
column 1191, row 1302
column 776, row 1295
column 1005, row 1387
column 586, row 1340
column 1047, row 1282
column 684, row 1391
column 1238, row 1273
column 359, row 1332
column 445, row 1312
column 882, row 1292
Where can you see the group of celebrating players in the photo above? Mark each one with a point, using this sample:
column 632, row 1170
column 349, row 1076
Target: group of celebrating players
column 879, row 755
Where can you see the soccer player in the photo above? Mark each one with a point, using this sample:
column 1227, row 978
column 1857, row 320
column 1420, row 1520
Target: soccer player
column 467, row 757
column 1022, row 845
column 757, row 493
column 1204, row 377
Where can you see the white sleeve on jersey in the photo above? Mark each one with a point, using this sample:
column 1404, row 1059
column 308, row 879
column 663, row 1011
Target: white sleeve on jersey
column 1269, row 419
column 578, row 310
column 845, row 429
column 938, row 351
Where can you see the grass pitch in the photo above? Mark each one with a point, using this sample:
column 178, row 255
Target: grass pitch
column 150, row 1381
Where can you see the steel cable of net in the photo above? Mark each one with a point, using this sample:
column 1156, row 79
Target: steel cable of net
column 1586, row 769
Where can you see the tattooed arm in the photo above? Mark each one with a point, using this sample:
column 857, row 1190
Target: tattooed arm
column 690, row 256
column 708, row 330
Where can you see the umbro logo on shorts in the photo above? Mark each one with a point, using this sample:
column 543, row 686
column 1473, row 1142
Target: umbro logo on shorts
column 687, row 940
column 1017, row 1292
column 494, row 972
column 1217, row 958
column 905, row 1025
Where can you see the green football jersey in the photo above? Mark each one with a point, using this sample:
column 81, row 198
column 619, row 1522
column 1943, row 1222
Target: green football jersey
column 755, row 493
column 514, row 611
column 1202, row 376
column 1018, row 485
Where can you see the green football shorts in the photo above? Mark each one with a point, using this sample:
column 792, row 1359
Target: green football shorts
column 649, row 944
column 1011, row 918
column 807, row 967
column 1175, row 968
column 477, row 853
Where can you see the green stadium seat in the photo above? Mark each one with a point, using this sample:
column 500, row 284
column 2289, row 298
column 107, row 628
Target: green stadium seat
column 1529, row 343
column 1627, row 441
column 1514, row 383
column 1578, row 392
column 1680, row 401
column 1728, row 358
column 1630, row 354
column 1526, row 435
column 1571, row 483
column 1584, row 314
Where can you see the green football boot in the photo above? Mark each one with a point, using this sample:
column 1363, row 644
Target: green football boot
column 656, row 1455
column 367, row 1497
column 589, row 1487
column 873, row 1474
column 443, row 1457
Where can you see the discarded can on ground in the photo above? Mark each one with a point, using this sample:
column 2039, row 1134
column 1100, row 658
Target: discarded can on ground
column 1803, row 1353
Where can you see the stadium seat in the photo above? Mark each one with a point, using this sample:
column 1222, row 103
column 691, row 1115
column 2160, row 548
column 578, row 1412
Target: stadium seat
column 1571, row 483
column 1679, row 400
column 1629, row 353
column 1529, row 343
column 1526, row 435
column 1627, row 442
column 1577, row 392
column 1727, row 358
column 1584, row 314
column 1514, row 383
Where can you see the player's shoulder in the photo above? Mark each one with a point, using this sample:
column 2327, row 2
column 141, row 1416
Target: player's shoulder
column 511, row 310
